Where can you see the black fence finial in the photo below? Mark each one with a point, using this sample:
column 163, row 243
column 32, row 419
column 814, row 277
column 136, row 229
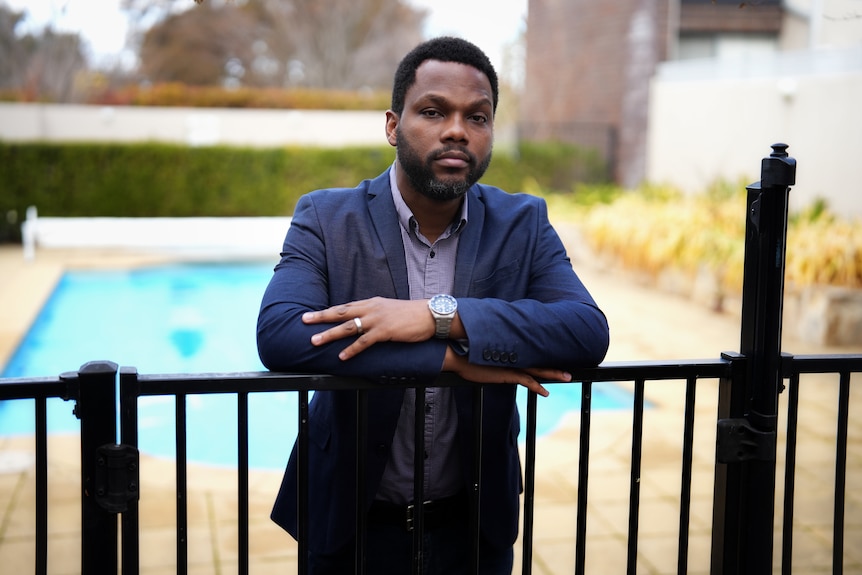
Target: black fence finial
column 779, row 169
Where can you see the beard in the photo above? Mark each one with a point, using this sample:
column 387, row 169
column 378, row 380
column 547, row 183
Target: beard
column 421, row 174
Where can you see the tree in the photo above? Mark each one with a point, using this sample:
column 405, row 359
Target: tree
column 55, row 65
column 202, row 46
column 43, row 65
column 12, row 50
column 350, row 45
column 316, row 43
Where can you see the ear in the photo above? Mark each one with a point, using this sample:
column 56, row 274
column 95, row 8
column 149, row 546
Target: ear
column 392, row 120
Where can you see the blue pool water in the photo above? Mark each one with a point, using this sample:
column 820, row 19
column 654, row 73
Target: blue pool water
column 186, row 318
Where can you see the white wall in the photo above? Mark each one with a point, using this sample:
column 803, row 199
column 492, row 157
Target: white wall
column 821, row 24
column 195, row 126
column 714, row 120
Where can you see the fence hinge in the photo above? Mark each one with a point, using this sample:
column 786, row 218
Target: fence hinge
column 738, row 441
column 116, row 479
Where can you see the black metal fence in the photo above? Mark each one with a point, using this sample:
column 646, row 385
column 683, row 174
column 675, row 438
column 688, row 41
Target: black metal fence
column 749, row 384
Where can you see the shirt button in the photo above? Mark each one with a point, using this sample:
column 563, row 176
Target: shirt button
column 427, row 408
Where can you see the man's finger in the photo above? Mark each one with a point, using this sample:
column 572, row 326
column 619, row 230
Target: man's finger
column 349, row 328
column 534, row 385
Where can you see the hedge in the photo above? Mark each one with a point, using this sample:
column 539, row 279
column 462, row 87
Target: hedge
column 176, row 94
column 157, row 180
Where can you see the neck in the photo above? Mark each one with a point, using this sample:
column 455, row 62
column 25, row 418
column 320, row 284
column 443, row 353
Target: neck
column 433, row 216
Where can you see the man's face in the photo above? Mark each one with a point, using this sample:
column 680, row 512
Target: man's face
column 445, row 133
column 422, row 176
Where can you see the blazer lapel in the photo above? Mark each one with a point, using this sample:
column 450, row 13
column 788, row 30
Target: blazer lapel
column 468, row 243
column 385, row 220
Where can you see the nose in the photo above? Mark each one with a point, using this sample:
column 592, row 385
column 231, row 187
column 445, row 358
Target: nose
column 455, row 130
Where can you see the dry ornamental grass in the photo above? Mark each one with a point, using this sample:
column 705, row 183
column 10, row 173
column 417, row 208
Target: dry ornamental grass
column 653, row 229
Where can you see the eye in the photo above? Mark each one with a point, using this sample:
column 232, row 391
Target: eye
column 431, row 113
column 479, row 118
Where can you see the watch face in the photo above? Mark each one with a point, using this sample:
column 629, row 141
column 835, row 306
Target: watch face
column 444, row 304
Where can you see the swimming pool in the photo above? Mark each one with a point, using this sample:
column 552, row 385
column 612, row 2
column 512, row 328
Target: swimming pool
column 186, row 318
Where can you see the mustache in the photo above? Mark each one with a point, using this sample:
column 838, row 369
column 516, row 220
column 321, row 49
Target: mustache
column 437, row 154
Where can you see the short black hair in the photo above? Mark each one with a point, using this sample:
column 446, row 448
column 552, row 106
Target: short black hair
column 444, row 49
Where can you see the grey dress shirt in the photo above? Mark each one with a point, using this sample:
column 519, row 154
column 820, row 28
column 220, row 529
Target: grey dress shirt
column 430, row 270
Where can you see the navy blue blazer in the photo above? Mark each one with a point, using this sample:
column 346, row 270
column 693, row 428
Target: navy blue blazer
column 520, row 302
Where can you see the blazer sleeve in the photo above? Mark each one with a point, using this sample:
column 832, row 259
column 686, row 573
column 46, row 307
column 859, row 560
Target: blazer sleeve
column 330, row 237
column 532, row 310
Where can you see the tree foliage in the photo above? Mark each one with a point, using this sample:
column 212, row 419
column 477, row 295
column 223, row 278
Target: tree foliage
column 198, row 46
column 309, row 44
column 12, row 49
column 40, row 66
column 329, row 44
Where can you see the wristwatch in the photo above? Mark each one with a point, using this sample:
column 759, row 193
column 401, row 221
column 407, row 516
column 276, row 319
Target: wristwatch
column 443, row 308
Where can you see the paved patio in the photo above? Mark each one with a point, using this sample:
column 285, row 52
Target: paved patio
column 645, row 324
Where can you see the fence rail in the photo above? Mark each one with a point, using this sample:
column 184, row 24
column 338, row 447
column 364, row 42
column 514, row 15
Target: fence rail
column 104, row 504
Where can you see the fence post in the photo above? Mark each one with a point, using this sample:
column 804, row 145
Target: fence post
column 748, row 409
column 97, row 409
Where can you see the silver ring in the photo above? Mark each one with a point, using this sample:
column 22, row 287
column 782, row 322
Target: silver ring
column 358, row 323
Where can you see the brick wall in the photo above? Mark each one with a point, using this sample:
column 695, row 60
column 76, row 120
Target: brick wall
column 588, row 69
column 589, row 65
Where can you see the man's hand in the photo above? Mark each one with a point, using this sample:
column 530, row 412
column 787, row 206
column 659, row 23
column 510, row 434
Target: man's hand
column 380, row 319
column 492, row 374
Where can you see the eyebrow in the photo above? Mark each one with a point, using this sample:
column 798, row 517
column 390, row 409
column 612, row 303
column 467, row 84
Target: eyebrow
column 443, row 100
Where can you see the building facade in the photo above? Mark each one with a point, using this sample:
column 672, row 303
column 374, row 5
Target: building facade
column 589, row 65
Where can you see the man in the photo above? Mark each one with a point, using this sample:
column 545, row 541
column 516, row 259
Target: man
column 417, row 272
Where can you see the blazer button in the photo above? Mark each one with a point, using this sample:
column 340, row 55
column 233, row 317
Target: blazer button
column 504, row 357
column 486, row 354
column 513, row 357
column 495, row 356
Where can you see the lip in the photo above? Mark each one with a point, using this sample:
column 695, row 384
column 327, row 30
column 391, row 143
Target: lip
column 453, row 160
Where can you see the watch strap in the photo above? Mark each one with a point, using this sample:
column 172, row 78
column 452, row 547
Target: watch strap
column 443, row 325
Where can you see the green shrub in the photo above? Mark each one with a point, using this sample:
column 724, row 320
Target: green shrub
column 152, row 180
column 175, row 94
column 542, row 168
column 164, row 180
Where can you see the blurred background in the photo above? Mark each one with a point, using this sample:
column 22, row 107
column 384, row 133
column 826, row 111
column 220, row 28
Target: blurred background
column 183, row 132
